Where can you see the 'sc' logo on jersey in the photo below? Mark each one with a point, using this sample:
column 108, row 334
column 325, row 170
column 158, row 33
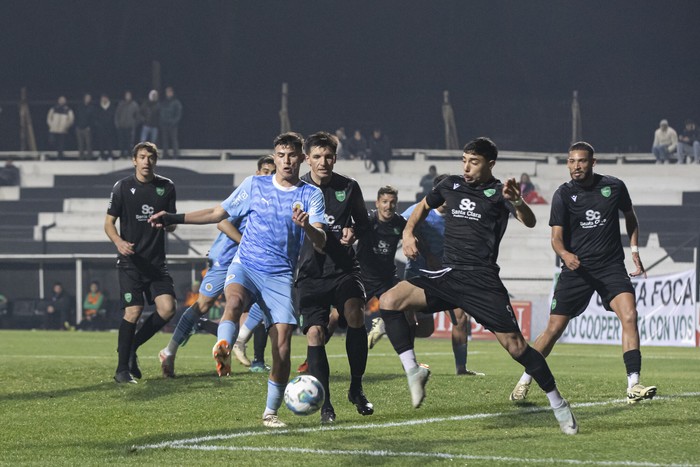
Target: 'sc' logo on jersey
column 147, row 210
column 467, row 205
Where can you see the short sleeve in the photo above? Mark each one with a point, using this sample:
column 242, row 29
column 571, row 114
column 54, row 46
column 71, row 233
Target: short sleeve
column 114, row 208
column 317, row 207
column 557, row 214
column 625, row 203
column 238, row 203
column 435, row 198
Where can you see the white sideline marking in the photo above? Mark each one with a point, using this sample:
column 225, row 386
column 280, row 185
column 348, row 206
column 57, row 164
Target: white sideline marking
column 195, row 443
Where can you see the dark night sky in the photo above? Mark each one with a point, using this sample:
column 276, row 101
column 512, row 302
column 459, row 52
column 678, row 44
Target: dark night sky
column 510, row 66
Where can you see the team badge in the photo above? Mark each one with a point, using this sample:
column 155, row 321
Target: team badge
column 298, row 205
column 605, row 191
column 396, row 231
column 490, row 192
column 208, row 287
column 340, row 196
column 160, row 191
column 554, row 303
column 128, row 297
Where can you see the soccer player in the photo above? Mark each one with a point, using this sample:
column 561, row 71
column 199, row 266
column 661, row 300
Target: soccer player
column 586, row 236
column 221, row 253
column 141, row 260
column 477, row 213
column 282, row 210
column 331, row 278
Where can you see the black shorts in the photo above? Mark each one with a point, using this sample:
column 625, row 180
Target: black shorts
column 574, row 289
column 317, row 296
column 137, row 283
column 480, row 291
column 375, row 287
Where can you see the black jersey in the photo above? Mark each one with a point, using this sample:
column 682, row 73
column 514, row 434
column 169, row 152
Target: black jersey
column 133, row 202
column 345, row 207
column 377, row 249
column 475, row 221
column 590, row 218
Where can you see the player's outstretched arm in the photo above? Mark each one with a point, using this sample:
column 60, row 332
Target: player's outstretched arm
column 203, row 216
column 632, row 225
column 511, row 192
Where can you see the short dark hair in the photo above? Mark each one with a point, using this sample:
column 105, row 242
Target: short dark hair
column 322, row 139
column 582, row 146
column 439, row 178
column 148, row 146
column 269, row 159
column 290, row 138
column 387, row 190
column 482, row 146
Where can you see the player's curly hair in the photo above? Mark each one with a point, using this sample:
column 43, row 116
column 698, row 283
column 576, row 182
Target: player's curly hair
column 482, row 146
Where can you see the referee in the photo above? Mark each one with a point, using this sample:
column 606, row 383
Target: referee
column 143, row 274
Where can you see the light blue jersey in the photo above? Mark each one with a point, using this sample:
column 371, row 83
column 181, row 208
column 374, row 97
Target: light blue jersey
column 271, row 241
column 432, row 232
column 224, row 249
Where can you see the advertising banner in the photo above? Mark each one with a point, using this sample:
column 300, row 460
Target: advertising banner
column 667, row 315
column 521, row 309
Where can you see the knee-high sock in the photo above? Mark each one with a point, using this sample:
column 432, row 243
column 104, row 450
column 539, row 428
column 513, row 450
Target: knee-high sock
column 356, row 348
column 275, row 394
column 184, row 327
column 228, row 331
column 318, row 367
column 212, row 327
column 633, row 365
column 398, row 330
column 460, row 353
column 537, row 367
column 259, row 343
column 152, row 325
column 125, row 341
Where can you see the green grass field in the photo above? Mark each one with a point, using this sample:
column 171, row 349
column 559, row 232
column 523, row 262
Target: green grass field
column 59, row 406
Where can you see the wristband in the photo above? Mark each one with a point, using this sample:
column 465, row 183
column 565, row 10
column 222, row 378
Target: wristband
column 517, row 202
column 634, row 249
column 170, row 219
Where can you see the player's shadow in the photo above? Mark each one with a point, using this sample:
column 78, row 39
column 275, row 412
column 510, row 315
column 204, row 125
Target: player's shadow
column 66, row 392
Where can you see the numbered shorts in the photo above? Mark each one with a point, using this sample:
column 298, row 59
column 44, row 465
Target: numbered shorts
column 574, row 289
column 317, row 296
column 479, row 290
column 271, row 292
column 140, row 286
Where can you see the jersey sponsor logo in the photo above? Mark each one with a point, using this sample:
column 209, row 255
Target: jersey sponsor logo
column 133, row 190
column 330, row 219
column 128, row 297
column 466, row 210
column 340, row 196
column 573, row 197
column 160, row 191
column 146, row 212
column 490, row 192
column 381, row 248
column 592, row 220
column 242, row 196
column 605, row 191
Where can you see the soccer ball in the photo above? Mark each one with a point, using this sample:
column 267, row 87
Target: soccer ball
column 304, row 395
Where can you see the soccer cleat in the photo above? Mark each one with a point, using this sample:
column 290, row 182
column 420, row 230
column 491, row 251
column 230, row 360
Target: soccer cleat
column 363, row 406
column 520, row 391
column 638, row 392
column 259, row 367
column 124, row 377
column 167, row 364
column 239, row 351
column 377, row 332
column 304, row 367
column 134, row 365
column 327, row 415
column 417, row 379
column 222, row 355
column 566, row 419
column 273, row 421
column 467, row 372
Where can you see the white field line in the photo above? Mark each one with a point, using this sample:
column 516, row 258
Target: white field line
column 197, row 443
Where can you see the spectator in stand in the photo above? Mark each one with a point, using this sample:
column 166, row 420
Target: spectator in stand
column 84, row 122
column 150, row 116
column 93, row 307
column 342, row 143
column 380, row 150
column 426, row 183
column 689, row 142
column 529, row 192
column 127, row 116
column 59, row 119
column 357, row 146
column 170, row 115
column 58, row 309
column 665, row 141
column 104, row 127
column 9, row 174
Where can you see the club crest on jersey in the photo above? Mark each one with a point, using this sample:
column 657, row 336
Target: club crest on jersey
column 573, row 197
column 605, row 191
column 490, row 192
column 128, row 297
column 340, row 196
column 297, row 204
column 160, row 191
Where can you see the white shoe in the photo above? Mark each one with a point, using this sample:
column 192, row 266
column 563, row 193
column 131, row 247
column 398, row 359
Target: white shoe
column 566, row 419
column 238, row 350
column 273, row 421
column 520, row 391
column 167, row 363
column 377, row 332
column 417, row 379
